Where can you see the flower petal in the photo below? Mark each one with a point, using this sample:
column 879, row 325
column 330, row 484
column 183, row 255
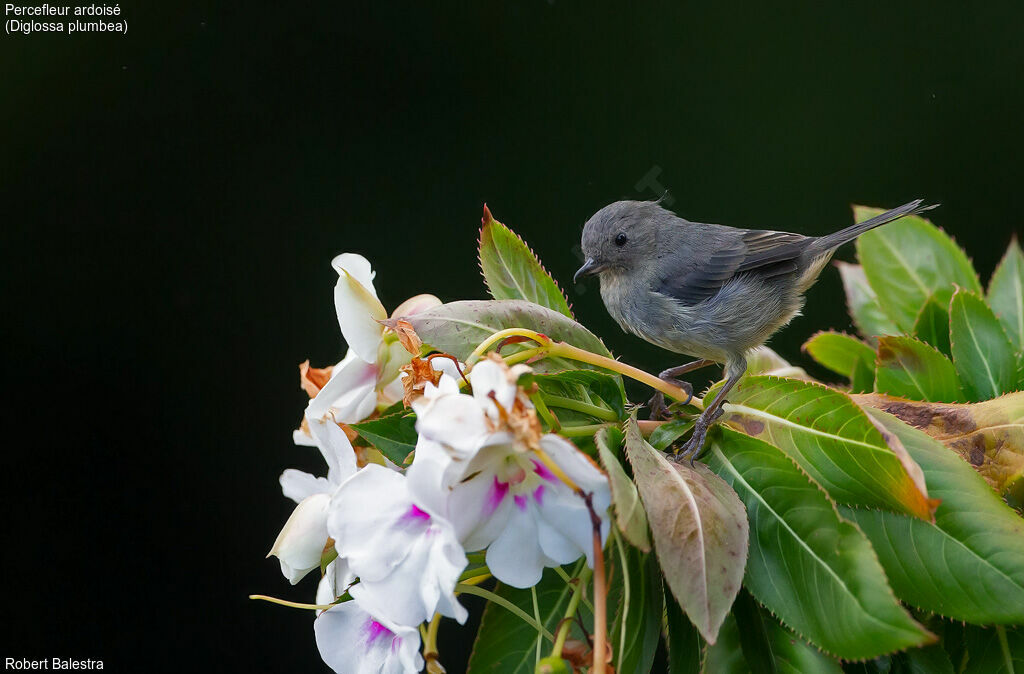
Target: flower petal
column 297, row 485
column 337, row 577
column 358, row 308
column 301, row 542
column 351, row 641
column 350, row 394
column 515, row 558
column 415, row 305
column 455, row 421
column 489, row 377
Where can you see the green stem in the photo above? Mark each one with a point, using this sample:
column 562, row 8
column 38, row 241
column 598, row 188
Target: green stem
column 524, row 355
column 1005, row 646
column 474, row 573
column 542, row 409
column 568, row 581
column 566, row 625
column 563, row 350
column 595, row 411
column 580, row 431
column 506, row 604
column 625, row 590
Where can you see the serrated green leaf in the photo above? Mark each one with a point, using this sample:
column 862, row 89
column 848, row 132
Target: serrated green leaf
column 513, row 272
column 909, row 368
column 726, row 656
column 907, row 261
column 969, row 564
column 990, row 651
column 987, row 435
column 458, row 328
column 685, row 647
column 394, row 435
column 810, row 567
column 587, row 386
column 771, row 648
column 505, row 644
column 699, row 529
column 636, row 626
column 932, row 324
column 862, row 303
column 844, row 355
column 982, row 353
column 831, row 438
column 1006, row 293
column 664, row 435
column 629, row 511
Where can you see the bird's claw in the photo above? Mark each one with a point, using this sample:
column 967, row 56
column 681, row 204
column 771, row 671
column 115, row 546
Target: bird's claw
column 692, row 449
column 658, row 408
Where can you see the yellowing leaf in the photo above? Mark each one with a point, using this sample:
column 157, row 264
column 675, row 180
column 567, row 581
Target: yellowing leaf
column 988, row 435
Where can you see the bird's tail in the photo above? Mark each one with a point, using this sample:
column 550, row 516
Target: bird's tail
column 837, row 239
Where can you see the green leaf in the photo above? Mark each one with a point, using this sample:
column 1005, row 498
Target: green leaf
column 844, row 355
column 912, row 369
column 932, row 324
column 982, row 353
column 968, row 564
column 683, row 640
column 987, row 435
column 862, row 303
column 699, row 529
column 726, row 656
column 771, row 648
column 629, row 511
column 907, row 261
column 809, row 566
column 505, row 644
column 994, row 651
column 664, row 435
column 588, row 386
column 1006, row 293
column 458, row 328
column 513, row 272
column 636, row 627
column 831, row 438
column 394, row 435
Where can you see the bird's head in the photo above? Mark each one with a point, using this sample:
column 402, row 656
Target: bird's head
column 621, row 237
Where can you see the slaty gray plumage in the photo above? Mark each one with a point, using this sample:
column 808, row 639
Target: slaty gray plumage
column 709, row 291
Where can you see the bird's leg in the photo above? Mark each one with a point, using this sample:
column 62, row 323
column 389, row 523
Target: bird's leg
column 657, row 406
column 734, row 369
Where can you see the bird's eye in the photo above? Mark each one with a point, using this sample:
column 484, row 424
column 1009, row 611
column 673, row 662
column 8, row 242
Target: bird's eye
column 621, row 239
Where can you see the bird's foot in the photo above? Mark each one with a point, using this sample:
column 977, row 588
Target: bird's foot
column 692, row 449
column 657, row 406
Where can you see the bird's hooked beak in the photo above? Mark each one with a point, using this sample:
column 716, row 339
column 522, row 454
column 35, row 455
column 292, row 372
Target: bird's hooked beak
column 589, row 268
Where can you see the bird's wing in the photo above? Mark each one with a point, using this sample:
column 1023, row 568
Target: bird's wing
column 769, row 253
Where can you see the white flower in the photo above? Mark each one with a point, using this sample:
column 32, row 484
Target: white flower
column 368, row 376
column 351, row 641
column 407, row 558
column 482, row 463
column 301, row 542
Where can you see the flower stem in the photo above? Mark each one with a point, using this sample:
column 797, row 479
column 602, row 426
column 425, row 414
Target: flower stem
column 291, row 604
column 565, row 626
column 600, row 607
column 580, row 431
column 542, row 409
column 430, row 640
column 564, row 350
column 503, row 334
column 595, row 411
column 506, row 604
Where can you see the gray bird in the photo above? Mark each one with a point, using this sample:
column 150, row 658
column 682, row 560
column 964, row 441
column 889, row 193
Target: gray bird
column 708, row 291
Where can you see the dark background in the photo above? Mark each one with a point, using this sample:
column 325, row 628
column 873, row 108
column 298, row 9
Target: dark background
column 171, row 201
